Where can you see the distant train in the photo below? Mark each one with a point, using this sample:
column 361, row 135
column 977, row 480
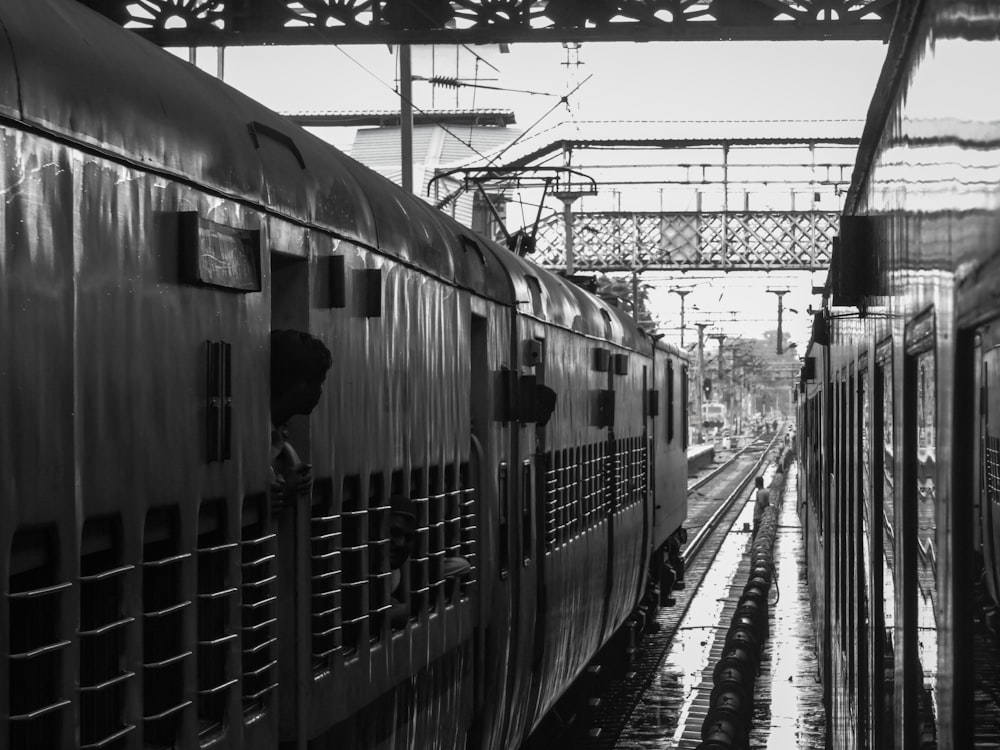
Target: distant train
column 157, row 225
column 899, row 420
column 713, row 416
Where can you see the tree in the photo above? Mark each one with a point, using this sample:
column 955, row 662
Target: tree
column 619, row 290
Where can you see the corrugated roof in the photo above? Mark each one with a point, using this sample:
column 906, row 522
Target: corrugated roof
column 390, row 117
column 680, row 134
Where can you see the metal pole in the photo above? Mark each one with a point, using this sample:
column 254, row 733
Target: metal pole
column 567, row 200
column 700, row 380
column 682, row 293
column 725, row 203
column 568, row 223
column 406, row 117
column 635, row 296
column 780, row 346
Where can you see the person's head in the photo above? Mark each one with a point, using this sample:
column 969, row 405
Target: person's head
column 545, row 399
column 299, row 363
column 402, row 530
column 759, row 482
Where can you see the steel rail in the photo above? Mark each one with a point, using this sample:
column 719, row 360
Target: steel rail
column 720, row 468
column 693, row 547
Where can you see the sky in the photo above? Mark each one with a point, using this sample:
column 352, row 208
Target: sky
column 687, row 81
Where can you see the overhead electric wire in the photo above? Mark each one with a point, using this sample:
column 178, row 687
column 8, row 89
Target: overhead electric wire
column 565, row 98
column 409, row 101
column 455, row 83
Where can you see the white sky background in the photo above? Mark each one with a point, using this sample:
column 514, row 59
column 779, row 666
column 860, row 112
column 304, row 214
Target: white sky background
column 630, row 81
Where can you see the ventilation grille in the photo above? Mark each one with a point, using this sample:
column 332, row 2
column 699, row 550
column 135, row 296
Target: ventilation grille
column 258, row 606
column 215, row 635
column 103, row 630
column 163, row 612
column 324, row 546
column 35, row 644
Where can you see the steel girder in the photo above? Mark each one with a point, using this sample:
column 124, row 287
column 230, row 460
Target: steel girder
column 730, row 241
column 222, row 23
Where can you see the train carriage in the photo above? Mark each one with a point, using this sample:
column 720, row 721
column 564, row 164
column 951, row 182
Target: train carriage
column 154, row 593
column 897, row 422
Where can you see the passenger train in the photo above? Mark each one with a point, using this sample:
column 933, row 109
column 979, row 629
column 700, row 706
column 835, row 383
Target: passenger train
column 899, row 415
column 713, row 416
column 156, row 226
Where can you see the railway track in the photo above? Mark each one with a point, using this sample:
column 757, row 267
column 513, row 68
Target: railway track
column 713, row 505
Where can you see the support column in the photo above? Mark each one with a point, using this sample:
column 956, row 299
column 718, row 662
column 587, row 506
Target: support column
column 682, row 293
column 699, row 380
column 780, row 347
column 406, row 117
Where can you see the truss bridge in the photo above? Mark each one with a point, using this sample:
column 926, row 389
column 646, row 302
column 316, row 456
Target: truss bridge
column 697, row 241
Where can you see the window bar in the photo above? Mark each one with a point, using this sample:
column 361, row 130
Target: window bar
column 259, row 599
column 34, row 657
column 469, row 530
column 325, row 541
column 215, row 638
column 354, row 578
column 102, row 682
column 164, row 654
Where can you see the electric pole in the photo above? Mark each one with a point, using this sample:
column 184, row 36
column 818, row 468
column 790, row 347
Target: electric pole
column 699, row 380
column 780, row 348
column 682, row 293
column 720, row 337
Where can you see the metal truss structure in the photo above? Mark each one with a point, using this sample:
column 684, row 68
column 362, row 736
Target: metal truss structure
column 705, row 241
column 222, row 23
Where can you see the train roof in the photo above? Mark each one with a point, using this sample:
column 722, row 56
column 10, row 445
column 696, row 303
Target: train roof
column 70, row 72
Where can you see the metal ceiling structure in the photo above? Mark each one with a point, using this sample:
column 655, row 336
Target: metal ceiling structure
column 224, row 23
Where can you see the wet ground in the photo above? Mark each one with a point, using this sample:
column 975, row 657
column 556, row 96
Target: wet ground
column 788, row 697
column 789, row 708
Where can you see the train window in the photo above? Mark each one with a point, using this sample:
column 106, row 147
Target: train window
column 259, row 605
column 467, row 507
column 216, row 637
column 865, row 572
column 669, row 387
column 551, row 500
column 527, row 500
column 577, row 473
column 353, row 563
column 435, row 545
column 921, row 503
column 843, row 566
column 569, row 495
column 324, row 574
column 685, row 426
column 503, row 521
column 164, row 607
column 535, row 292
column 102, row 679
column 35, row 642
column 379, row 574
column 455, row 540
column 595, row 495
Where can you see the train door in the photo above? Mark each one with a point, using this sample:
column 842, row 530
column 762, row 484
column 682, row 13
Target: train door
column 524, row 575
column 290, row 310
column 883, row 602
column 918, row 545
column 976, row 528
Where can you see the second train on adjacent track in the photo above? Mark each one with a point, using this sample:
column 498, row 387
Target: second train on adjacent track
column 899, row 424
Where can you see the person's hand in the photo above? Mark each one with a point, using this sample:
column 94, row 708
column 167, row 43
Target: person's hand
column 277, row 487
column 299, row 480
